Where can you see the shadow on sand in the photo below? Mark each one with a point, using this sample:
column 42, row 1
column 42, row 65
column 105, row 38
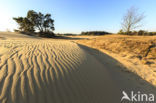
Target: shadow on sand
column 124, row 80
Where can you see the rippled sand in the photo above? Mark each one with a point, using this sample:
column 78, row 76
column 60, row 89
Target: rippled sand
column 36, row 70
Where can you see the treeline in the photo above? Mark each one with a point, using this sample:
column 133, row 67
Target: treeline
column 95, row 33
column 139, row 33
column 36, row 23
column 66, row 34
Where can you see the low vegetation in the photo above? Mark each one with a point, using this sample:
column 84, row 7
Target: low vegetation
column 136, row 53
column 143, row 48
column 139, row 33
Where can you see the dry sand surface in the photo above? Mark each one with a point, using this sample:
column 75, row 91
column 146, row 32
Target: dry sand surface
column 137, row 53
column 35, row 70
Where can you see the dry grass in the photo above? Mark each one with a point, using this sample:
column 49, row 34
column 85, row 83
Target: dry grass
column 130, row 51
column 132, row 46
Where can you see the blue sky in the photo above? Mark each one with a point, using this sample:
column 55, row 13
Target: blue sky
column 74, row 16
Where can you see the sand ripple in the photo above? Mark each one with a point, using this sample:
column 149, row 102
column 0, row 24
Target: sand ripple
column 38, row 71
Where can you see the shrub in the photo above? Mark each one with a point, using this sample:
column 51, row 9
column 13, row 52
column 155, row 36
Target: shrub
column 141, row 32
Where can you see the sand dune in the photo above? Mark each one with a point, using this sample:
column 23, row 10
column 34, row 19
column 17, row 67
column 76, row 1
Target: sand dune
column 32, row 71
column 57, row 71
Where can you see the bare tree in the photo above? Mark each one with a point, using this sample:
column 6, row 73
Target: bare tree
column 132, row 20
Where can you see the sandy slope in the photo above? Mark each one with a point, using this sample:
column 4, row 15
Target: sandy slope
column 130, row 51
column 31, row 69
column 58, row 71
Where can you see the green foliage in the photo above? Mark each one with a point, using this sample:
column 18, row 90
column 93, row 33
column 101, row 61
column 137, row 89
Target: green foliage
column 36, row 22
column 139, row 33
column 121, row 32
column 95, row 33
column 152, row 33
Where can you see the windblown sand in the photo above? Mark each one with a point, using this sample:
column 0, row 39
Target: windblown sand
column 48, row 71
column 36, row 70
